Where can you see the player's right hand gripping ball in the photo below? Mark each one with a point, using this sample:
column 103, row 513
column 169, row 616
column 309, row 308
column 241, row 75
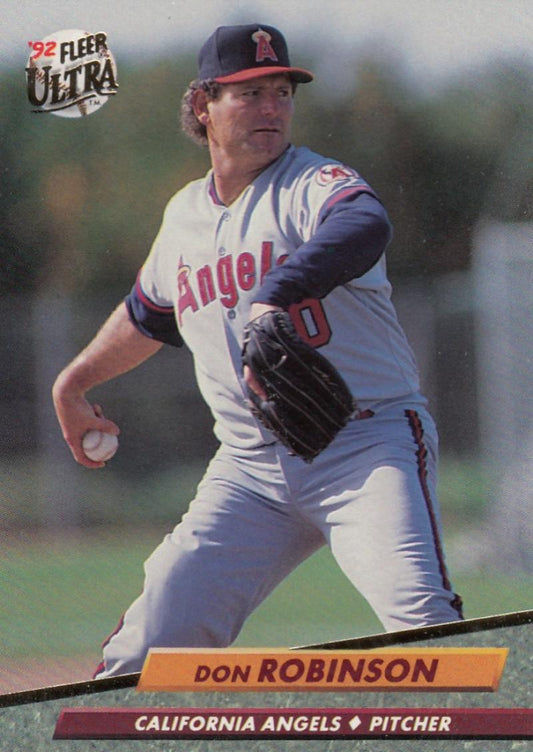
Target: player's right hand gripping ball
column 308, row 401
column 99, row 446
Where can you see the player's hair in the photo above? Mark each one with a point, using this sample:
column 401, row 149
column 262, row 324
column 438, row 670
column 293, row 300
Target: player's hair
column 190, row 124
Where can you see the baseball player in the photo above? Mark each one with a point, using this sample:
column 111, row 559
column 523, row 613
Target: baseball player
column 272, row 230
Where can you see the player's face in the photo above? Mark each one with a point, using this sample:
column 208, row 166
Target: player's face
column 251, row 120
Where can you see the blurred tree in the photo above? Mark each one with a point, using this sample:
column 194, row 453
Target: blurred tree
column 82, row 199
column 24, row 232
column 433, row 158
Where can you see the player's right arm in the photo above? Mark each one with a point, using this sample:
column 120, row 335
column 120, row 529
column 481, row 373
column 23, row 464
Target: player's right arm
column 117, row 348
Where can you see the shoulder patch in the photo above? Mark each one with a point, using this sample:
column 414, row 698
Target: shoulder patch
column 335, row 172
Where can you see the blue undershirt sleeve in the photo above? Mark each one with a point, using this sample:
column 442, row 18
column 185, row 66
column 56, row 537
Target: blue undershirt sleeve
column 351, row 237
column 156, row 322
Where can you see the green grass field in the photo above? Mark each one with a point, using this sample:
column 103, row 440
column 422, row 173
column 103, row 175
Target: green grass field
column 64, row 597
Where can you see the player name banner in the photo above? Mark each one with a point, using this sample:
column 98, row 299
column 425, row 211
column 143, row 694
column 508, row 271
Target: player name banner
column 405, row 669
column 301, row 723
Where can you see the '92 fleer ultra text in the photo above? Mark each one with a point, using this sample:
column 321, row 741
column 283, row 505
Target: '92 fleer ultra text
column 70, row 73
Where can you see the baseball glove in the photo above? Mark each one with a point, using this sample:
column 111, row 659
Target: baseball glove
column 307, row 401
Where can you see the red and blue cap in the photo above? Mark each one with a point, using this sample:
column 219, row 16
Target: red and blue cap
column 238, row 53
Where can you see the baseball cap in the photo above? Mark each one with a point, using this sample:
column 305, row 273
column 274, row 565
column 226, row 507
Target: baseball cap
column 238, row 53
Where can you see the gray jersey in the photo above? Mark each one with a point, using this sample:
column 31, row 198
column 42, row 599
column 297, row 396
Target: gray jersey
column 208, row 262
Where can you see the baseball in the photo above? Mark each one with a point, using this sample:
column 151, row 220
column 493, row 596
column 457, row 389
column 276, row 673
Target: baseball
column 99, row 446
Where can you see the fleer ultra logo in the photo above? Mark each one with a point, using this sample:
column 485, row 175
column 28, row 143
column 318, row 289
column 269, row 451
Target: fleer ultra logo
column 70, row 73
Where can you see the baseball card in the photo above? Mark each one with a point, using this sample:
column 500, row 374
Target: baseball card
column 268, row 435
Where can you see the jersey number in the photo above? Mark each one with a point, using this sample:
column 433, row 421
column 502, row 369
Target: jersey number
column 310, row 322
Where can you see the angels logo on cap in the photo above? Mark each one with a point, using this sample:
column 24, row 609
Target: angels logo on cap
column 264, row 48
column 238, row 53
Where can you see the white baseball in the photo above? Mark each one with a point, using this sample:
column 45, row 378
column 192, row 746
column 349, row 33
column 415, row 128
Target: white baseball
column 99, row 446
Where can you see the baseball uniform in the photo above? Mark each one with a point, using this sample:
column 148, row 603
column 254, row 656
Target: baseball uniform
column 308, row 234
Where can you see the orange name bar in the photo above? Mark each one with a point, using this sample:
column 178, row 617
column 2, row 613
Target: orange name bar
column 248, row 670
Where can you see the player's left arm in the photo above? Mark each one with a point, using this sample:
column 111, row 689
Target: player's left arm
column 351, row 236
